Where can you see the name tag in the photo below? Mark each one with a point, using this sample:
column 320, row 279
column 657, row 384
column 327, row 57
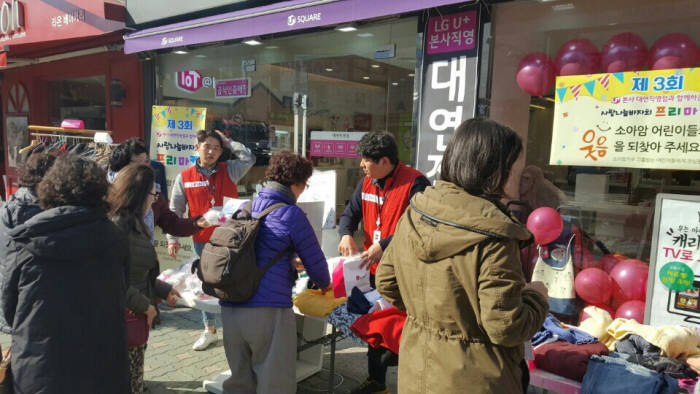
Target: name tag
column 376, row 236
column 189, row 185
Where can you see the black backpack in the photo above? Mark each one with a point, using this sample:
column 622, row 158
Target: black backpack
column 228, row 267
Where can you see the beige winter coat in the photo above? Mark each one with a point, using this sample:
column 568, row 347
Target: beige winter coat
column 462, row 288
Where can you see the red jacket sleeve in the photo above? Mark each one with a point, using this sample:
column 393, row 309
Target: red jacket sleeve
column 172, row 224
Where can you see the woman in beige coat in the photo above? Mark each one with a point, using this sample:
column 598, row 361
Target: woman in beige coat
column 454, row 267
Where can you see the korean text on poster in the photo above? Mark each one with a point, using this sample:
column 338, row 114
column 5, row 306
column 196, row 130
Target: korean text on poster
column 645, row 119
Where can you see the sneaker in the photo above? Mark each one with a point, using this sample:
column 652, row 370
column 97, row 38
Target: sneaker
column 207, row 338
column 370, row 386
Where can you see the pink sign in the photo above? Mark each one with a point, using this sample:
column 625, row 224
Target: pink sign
column 190, row 80
column 228, row 88
column 452, row 33
column 330, row 148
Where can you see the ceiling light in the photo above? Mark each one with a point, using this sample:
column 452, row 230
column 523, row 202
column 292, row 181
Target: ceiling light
column 329, row 69
column 365, row 35
column 346, row 28
column 272, row 47
column 200, row 56
column 375, row 66
column 411, row 75
column 365, row 77
column 253, row 41
column 395, row 83
column 181, row 52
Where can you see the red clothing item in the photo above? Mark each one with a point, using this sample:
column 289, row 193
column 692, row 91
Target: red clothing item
column 200, row 191
column 381, row 328
column 566, row 359
column 388, row 204
column 170, row 223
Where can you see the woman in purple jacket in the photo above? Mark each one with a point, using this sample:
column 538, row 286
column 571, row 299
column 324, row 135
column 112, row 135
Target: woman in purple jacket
column 260, row 334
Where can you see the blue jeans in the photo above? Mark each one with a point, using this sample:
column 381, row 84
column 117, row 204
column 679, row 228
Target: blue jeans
column 615, row 375
column 209, row 319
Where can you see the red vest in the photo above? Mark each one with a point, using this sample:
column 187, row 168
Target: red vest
column 394, row 200
column 199, row 190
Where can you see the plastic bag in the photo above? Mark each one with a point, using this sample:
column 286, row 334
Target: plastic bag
column 348, row 274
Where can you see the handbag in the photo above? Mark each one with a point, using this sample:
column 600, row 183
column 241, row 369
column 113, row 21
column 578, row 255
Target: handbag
column 6, row 380
column 136, row 329
column 555, row 269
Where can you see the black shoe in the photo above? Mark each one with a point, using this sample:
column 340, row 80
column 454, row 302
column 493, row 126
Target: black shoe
column 370, row 386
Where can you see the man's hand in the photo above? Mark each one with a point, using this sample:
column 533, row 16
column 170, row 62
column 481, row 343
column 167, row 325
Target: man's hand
column 201, row 223
column 173, row 248
column 347, row 246
column 224, row 138
column 151, row 314
column 371, row 255
column 172, row 297
column 298, row 264
column 538, row 287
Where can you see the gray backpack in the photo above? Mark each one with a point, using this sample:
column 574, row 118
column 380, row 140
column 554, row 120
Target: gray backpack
column 228, row 267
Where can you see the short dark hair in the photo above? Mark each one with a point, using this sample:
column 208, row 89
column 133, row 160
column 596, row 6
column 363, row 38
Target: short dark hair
column 376, row 145
column 34, row 169
column 129, row 192
column 479, row 157
column 202, row 136
column 121, row 156
column 288, row 168
column 73, row 180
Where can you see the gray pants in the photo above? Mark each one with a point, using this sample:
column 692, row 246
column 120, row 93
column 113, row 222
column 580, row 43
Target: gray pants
column 260, row 345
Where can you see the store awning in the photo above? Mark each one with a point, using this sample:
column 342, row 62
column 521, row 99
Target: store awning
column 274, row 18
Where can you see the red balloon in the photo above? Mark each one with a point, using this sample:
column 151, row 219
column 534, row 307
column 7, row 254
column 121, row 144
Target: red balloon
column 608, row 261
column 583, row 315
column 624, row 52
column 535, row 74
column 674, row 50
column 576, row 57
column 545, row 224
column 593, row 285
column 631, row 310
column 629, row 281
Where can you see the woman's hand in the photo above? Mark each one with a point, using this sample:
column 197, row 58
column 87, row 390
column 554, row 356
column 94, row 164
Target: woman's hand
column 202, row 223
column 151, row 314
column 173, row 297
column 173, row 248
column 298, row 264
column 347, row 246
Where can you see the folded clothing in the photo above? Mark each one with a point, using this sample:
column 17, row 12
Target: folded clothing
column 566, row 359
column 613, row 375
column 341, row 319
column 674, row 341
column 357, row 303
column 552, row 326
column 316, row 303
column 597, row 325
column 381, row 328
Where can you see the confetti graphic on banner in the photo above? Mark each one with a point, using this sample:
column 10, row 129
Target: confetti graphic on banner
column 605, row 81
column 575, row 90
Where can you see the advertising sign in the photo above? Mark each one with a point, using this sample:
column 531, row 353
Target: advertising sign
column 644, row 119
column 335, row 143
column 173, row 138
column 673, row 287
column 233, row 88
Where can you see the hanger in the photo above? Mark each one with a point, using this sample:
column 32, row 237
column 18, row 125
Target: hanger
column 29, row 147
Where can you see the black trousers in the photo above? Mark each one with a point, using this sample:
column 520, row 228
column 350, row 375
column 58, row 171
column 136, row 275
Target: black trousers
column 378, row 361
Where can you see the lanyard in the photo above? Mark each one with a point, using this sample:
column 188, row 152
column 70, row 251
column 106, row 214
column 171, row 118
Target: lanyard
column 382, row 200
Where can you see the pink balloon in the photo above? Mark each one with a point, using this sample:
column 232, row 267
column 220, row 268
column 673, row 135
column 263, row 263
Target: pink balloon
column 674, row 50
column 545, row 224
column 583, row 315
column 629, row 281
column 631, row 310
column 576, row 57
column 624, row 52
column 535, row 74
column 593, row 285
column 608, row 261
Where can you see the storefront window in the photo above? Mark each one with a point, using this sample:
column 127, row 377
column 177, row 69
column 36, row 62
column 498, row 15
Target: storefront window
column 612, row 205
column 352, row 81
column 79, row 98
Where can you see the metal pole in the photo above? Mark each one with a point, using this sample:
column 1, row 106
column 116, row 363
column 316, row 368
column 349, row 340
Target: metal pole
column 295, row 105
column 303, row 126
column 331, row 378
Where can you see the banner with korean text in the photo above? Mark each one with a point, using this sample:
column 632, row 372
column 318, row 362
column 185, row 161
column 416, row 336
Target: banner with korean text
column 644, row 119
column 173, row 138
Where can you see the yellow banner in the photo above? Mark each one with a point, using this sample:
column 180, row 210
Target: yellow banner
column 173, row 137
column 644, row 119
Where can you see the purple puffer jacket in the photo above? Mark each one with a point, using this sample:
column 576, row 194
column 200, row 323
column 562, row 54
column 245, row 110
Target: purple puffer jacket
column 281, row 228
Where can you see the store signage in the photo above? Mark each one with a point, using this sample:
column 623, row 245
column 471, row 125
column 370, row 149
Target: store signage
column 232, row 88
column 190, row 80
column 11, row 17
column 456, row 32
column 645, row 119
column 66, row 19
column 448, row 94
column 673, row 288
column 335, row 143
column 303, row 18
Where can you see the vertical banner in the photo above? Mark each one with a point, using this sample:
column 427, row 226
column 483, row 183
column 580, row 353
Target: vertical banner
column 173, row 137
column 449, row 84
column 673, row 285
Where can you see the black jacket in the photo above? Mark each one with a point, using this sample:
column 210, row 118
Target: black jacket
column 63, row 294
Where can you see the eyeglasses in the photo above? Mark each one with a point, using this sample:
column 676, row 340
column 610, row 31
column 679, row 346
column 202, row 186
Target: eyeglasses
column 155, row 196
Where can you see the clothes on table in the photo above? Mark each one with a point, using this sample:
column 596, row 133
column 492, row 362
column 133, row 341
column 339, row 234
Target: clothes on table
column 687, row 384
column 357, row 303
column 381, row 328
column 597, row 325
column 566, row 359
column 639, row 351
column 341, row 319
column 316, row 303
column 674, row 341
column 635, row 344
column 618, row 376
column 552, row 326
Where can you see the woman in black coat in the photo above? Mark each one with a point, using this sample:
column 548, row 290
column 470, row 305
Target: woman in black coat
column 64, row 289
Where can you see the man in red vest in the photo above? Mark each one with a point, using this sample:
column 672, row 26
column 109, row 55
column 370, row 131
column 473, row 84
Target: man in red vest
column 379, row 201
column 203, row 186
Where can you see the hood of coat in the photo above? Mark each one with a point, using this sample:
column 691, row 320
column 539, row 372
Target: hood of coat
column 21, row 206
column 473, row 220
column 65, row 233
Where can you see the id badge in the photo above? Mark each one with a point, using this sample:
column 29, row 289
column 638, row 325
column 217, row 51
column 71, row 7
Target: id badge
column 376, row 236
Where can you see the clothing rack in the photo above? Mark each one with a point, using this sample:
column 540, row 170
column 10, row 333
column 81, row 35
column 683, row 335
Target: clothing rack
column 80, row 137
column 64, row 130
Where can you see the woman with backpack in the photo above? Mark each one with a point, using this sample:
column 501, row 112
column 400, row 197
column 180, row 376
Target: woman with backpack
column 260, row 334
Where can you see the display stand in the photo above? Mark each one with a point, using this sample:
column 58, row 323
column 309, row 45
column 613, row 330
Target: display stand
column 556, row 383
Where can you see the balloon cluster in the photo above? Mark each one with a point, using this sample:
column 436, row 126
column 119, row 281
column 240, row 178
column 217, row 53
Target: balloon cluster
column 622, row 52
column 616, row 284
